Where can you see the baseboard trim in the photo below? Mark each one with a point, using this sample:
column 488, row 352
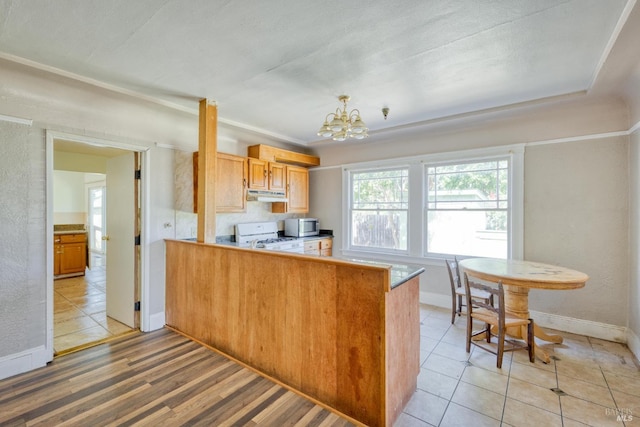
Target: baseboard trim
column 439, row 300
column 24, row 361
column 580, row 326
column 156, row 321
column 562, row 323
column 633, row 342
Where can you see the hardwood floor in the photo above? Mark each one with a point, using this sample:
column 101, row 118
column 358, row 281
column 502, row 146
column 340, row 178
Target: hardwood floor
column 79, row 310
column 160, row 378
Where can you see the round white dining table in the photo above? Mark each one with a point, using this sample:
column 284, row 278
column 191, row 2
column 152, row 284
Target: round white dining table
column 518, row 277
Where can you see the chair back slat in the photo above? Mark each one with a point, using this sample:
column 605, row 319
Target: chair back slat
column 494, row 316
column 497, row 292
column 454, row 273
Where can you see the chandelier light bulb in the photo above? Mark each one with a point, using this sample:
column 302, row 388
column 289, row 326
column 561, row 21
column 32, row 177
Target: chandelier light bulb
column 344, row 124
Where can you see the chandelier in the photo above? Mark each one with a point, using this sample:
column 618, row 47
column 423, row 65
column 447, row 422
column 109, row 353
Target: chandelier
column 342, row 125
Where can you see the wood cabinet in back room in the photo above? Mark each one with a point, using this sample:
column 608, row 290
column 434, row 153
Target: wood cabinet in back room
column 69, row 254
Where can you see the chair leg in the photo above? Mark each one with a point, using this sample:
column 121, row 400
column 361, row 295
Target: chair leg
column 487, row 328
column 454, row 306
column 469, row 331
column 459, row 305
column 500, row 348
column 531, row 342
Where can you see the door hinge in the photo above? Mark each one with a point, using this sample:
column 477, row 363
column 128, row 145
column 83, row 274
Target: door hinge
column 137, row 240
column 137, row 174
column 136, row 306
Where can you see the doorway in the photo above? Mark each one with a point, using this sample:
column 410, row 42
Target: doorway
column 89, row 308
column 97, row 215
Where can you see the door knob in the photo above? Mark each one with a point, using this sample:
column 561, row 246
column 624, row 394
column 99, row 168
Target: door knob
column 105, row 237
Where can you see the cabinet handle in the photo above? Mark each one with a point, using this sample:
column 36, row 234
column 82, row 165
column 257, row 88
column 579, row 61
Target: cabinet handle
column 265, row 173
column 244, row 183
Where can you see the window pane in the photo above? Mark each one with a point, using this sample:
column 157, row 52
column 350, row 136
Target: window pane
column 468, row 208
column 381, row 190
column 468, row 233
column 379, row 229
column 379, row 209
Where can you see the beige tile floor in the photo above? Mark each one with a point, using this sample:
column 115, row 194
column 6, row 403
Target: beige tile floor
column 79, row 310
column 596, row 382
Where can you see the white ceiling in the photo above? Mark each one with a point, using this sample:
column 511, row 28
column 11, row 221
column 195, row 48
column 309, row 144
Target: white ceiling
column 278, row 66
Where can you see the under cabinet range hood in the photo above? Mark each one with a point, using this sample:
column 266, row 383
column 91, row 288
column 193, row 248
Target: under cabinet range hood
column 266, row 196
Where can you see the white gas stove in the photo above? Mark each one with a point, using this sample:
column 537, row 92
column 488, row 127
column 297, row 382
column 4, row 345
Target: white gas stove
column 264, row 235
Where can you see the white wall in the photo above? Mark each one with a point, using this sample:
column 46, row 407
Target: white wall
column 69, row 201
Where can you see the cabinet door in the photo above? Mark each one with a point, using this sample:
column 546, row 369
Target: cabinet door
column 231, row 185
column 73, row 258
column 258, row 170
column 297, row 192
column 312, row 247
column 57, row 250
column 297, row 189
column 277, row 177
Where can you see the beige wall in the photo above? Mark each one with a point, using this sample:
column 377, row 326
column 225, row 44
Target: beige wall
column 634, row 232
column 23, row 253
column 576, row 196
column 576, row 215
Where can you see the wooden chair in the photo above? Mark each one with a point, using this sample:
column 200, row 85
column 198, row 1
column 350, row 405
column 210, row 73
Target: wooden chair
column 497, row 318
column 458, row 292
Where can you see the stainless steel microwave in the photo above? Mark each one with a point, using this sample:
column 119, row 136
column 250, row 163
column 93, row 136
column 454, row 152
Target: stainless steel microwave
column 301, row 227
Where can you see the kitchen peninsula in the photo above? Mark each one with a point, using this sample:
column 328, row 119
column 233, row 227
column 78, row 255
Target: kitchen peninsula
column 345, row 334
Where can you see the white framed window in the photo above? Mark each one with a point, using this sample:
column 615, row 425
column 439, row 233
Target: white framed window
column 446, row 199
column 467, row 209
column 379, row 209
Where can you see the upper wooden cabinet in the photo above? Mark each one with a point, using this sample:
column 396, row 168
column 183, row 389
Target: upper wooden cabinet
column 277, row 177
column 231, row 185
column 265, row 175
column 297, row 192
column 274, row 154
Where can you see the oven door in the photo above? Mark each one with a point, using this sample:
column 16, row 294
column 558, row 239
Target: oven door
column 308, row 227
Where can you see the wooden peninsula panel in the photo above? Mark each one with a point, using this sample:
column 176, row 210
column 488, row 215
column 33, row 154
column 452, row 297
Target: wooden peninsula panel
column 327, row 328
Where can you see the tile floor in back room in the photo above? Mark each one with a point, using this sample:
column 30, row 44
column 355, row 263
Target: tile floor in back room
column 588, row 382
column 79, row 310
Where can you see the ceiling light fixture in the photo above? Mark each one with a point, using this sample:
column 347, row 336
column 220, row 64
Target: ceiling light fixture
column 343, row 125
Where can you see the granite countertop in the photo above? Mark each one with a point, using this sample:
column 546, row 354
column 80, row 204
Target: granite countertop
column 230, row 240
column 400, row 273
column 69, row 229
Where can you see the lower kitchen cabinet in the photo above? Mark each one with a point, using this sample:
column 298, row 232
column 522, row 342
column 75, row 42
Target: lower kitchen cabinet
column 320, row 247
column 69, row 254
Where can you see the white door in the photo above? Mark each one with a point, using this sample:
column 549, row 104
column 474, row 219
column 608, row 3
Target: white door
column 120, row 243
column 97, row 218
